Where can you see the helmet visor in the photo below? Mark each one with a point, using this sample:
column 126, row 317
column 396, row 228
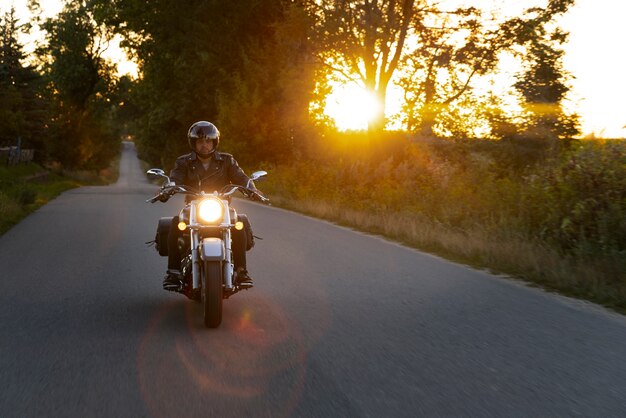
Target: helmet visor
column 204, row 139
column 208, row 132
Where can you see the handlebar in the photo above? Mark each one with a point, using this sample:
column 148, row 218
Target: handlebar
column 261, row 198
column 249, row 193
column 168, row 191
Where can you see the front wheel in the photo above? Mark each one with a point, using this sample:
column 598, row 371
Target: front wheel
column 212, row 293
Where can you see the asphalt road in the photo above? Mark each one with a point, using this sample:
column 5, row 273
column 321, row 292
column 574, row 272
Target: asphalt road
column 339, row 324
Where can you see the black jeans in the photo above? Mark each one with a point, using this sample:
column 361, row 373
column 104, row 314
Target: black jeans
column 239, row 246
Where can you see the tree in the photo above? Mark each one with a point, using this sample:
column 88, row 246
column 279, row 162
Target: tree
column 544, row 82
column 432, row 52
column 451, row 49
column 124, row 109
column 364, row 40
column 243, row 65
column 437, row 51
column 265, row 101
column 21, row 104
column 10, row 98
column 79, row 83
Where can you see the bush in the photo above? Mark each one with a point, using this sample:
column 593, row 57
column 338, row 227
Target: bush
column 558, row 218
column 26, row 196
column 583, row 199
column 8, row 207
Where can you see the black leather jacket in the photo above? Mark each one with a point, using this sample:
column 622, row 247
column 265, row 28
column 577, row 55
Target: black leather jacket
column 223, row 170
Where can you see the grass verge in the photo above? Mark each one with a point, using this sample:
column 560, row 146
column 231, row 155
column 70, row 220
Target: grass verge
column 26, row 187
column 558, row 224
column 529, row 261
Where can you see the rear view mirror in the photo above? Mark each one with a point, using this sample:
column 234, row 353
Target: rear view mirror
column 258, row 175
column 155, row 173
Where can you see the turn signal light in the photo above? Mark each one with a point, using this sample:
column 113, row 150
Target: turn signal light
column 239, row 226
column 182, row 226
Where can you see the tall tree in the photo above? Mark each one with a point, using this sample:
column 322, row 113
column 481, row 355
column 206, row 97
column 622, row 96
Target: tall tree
column 221, row 61
column 364, row 41
column 543, row 84
column 264, row 102
column 169, row 41
column 451, row 48
column 437, row 50
column 21, row 106
column 11, row 116
column 80, row 79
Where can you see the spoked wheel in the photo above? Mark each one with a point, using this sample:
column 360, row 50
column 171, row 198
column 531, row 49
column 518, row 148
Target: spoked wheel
column 212, row 293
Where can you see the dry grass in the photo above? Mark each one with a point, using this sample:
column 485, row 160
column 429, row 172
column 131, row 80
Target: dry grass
column 554, row 217
column 594, row 279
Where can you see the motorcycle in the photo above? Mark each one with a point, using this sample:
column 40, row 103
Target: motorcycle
column 206, row 222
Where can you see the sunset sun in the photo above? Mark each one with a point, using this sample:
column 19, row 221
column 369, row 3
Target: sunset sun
column 351, row 107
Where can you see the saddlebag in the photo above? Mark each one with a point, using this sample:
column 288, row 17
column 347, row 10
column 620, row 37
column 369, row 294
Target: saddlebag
column 163, row 230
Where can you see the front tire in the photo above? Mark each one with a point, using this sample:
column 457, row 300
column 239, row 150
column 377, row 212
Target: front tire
column 212, row 293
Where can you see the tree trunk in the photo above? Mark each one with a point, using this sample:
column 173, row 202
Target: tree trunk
column 429, row 114
column 430, row 109
column 378, row 121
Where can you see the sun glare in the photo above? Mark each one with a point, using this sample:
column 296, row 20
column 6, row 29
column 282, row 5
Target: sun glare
column 116, row 55
column 51, row 8
column 351, row 107
column 597, row 91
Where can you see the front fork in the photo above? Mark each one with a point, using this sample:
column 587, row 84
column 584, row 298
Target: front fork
column 228, row 265
column 195, row 261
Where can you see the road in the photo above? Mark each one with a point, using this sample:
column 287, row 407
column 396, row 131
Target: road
column 339, row 323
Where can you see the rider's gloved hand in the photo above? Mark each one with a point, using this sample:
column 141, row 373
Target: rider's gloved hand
column 257, row 196
column 164, row 196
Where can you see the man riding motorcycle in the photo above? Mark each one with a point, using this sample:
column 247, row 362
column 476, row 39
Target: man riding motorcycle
column 206, row 169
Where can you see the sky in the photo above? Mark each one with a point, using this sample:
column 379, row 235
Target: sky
column 594, row 56
column 51, row 8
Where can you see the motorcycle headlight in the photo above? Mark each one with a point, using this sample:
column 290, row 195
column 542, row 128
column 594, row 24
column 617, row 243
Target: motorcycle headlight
column 210, row 210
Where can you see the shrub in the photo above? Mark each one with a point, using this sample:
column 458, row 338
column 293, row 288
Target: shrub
column 558, row 218
column 26, row 196
column 583, row 199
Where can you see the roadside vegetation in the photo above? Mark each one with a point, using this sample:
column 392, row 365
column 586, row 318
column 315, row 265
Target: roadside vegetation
column 558, row 220
column 26, row 187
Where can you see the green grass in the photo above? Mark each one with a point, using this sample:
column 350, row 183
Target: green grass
column 26, row 187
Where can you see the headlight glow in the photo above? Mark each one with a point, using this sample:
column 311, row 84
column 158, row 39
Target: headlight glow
column 210, row 210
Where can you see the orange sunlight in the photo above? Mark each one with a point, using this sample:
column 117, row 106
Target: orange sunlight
column 592, row 57
column 597, row 93
column 351, row 107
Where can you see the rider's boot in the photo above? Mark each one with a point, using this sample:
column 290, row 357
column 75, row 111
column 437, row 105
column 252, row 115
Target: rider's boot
column 172, row 280
column 243, row 279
